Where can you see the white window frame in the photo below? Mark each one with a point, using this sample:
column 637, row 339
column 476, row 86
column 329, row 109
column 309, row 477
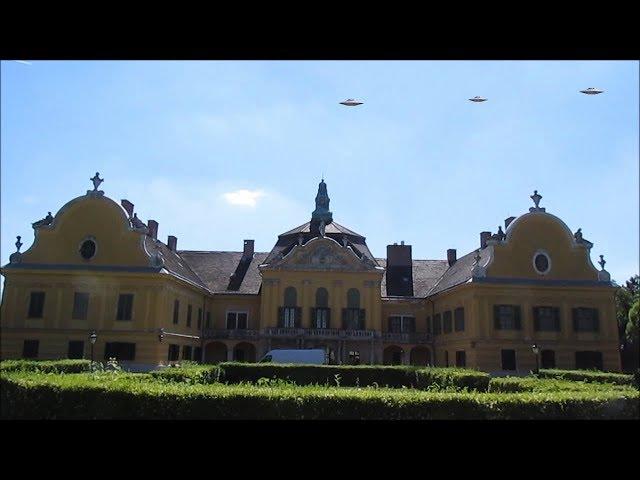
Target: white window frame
column 402, row 318
column 236, row 312
column 323, row 320
column 289, row 320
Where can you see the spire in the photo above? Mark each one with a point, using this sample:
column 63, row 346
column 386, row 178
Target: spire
column 321, row 213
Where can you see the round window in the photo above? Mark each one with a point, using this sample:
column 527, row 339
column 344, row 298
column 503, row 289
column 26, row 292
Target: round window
column 88, row 249
column 541, row 262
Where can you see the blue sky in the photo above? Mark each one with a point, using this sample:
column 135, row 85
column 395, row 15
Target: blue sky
column 217, row 152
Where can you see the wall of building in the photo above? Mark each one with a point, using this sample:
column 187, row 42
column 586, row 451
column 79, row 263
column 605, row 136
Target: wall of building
column 306, row 283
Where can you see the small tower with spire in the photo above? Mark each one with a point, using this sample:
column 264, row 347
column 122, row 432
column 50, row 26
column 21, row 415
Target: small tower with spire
column 321, row 214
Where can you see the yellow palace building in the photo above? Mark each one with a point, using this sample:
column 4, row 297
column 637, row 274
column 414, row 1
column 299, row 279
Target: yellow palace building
column 96, row 267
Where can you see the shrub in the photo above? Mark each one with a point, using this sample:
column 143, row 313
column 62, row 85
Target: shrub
column 29, row 395
column 188, row 374
column 588, row 376
column 46, row 366
column 355, row 375
column 541, row 385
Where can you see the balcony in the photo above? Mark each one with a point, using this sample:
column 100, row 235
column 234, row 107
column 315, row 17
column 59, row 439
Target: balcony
column 319, row 333
column 316, row 333
column 231, row 334
column 406, row 337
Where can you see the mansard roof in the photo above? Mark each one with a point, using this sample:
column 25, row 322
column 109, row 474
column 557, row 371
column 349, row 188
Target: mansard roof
column 215, row 270
column 458, row 273
column 173, row 262
column 333, row 227
column 425, row 274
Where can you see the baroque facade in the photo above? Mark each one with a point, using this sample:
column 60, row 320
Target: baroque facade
column 96, row 267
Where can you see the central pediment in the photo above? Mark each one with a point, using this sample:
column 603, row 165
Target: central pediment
column 324, row 254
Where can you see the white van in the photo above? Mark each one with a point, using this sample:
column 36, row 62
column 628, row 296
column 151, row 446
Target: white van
column 309, row 356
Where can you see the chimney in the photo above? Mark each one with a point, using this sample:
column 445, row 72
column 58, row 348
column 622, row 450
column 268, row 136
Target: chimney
column 172, row 243
column 153, row 229
column 399, row 272
column 451, row 256
column 128, row 206
column 484, row 236
column 248, row 249
column 508, row 221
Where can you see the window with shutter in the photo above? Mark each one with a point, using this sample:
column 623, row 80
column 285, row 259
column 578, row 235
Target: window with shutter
column 186, row 352
column 174, row 353
column 507, row 317
column 199, row 318
column 437, row 324
column 508, row 359
column 80, row 306
column 546, row 319
column 237, row 320
column 36, row 304
column 176, row 311
column 30, row 348
column 320, row 317
column 446, row 322
column 189, row 311
column 242, row 320
column 548, row 359
column 125, row 306
column 76, row 349
column 298, row 317
column 121, row 351
column 585, row 319
column 589, row 360
column 459, row 319
column 395, row 325
column 280, row 317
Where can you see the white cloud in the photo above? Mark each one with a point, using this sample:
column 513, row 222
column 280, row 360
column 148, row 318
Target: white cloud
column 243, row 197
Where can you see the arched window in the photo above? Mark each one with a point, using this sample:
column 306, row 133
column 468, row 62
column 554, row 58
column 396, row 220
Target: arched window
column 290, row 297
column 353, row 298
column 322, row 298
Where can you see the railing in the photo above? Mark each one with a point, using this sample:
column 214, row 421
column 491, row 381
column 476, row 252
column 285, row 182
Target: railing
column 317, row 333
column 231, row 333
column 330, row 333
column 406, row 337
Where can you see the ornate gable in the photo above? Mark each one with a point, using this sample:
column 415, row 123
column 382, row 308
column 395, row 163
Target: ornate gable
column 322, row 253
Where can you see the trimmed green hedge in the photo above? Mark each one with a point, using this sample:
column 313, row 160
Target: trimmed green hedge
column 588, row 376
column 333, row 375
column 46, row 366
column 540, row 385
column 114, row 396
column 188, row 374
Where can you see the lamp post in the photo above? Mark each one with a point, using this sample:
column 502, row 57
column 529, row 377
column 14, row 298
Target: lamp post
column 536, row 351
column 92, row 339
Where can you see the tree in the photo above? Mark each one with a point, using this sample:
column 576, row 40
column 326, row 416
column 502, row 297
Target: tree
column 627, row 312
column 631, row 332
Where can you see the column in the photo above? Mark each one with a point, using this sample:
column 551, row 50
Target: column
column 230, row 353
